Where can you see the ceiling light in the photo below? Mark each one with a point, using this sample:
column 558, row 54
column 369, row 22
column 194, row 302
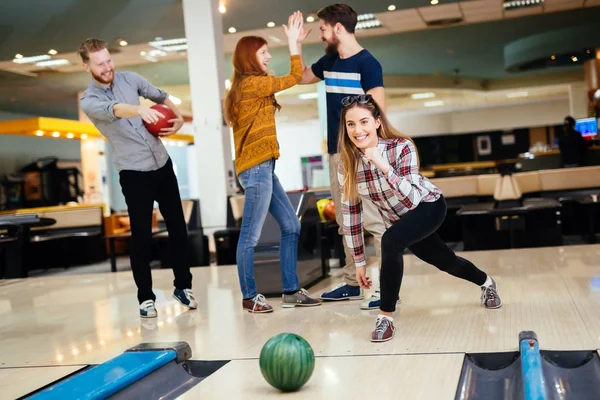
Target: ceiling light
column 222, row 9
column 553, row 58
column 56, row 134
column 70, row 135
column 84, row 136
column 18, row 56
column 270, row 24
column 52, row 63
column 31, row 60
column 39, row 133
column 171, row 45
column 516, row 4
column 232, row 30
column 434, row 103
column 514, row 95
column 123, row 43
column 434, row 2
column 427, row 95
column 391, row 7
column 574, row 59
column 367, row 21
column 310, row 18
column 175, row 100
column 52, row 52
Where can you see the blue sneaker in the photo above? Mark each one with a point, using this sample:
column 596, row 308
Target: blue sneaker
column 186, row 298
column 343, row 291
column 147, row 309
column 374, row 302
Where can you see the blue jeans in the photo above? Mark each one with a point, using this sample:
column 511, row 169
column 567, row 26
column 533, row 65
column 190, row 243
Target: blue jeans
column 264, row 193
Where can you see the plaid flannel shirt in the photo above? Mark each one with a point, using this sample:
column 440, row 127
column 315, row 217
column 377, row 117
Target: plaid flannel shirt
column 402, row 189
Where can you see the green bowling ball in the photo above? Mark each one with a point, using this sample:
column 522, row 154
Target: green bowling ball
column 287, row 362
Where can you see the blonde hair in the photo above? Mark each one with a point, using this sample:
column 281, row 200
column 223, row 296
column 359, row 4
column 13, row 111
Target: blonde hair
column 349, row 154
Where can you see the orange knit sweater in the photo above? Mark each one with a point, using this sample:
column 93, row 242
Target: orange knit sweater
column 254, row 133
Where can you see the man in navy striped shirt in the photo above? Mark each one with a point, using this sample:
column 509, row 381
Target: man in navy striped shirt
column 347, row 69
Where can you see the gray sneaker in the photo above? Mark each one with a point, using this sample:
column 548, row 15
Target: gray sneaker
column 490, row 297
column 301, row 299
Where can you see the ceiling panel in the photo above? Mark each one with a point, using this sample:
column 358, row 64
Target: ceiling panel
column 481, row 10
column 561, row 5
column 523, row 12
column 402, row 21
column 440, row 12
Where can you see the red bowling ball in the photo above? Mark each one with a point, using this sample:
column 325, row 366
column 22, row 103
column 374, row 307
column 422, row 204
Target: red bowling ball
column 162, row 122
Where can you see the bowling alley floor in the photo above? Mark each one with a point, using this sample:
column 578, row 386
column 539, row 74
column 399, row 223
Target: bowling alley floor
column 51, row 326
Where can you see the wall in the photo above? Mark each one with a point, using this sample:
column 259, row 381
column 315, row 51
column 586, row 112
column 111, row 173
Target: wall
column 482, row 119
column 296, row 140
column 18, row 151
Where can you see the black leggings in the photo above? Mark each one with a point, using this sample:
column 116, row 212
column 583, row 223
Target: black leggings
column 416, row 231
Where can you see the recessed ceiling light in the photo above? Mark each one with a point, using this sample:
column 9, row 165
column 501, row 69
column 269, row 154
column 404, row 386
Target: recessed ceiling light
column 310, row 18
column 123, row 43
column 56, row 134
column 18, row 56
column 70, row 135
column 434, row 103
column 391, row 7
column 434, row 2
column 515, row 95
column 270, row 24
column 427, row 95
column 52, row 52
column 553, row 58
column 574, row 59
column 232, row 30
column 222, row 9
column 84, row 136
column 52, row 63
column 39, row 133
column 31, row 60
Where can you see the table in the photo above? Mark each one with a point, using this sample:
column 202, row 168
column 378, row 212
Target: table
column 590, row 205
column 23, row 224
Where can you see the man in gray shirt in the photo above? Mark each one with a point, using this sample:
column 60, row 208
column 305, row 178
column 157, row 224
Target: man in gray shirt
column 145, row 169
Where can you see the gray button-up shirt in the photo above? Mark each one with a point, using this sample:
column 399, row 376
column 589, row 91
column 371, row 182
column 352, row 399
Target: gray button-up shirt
column 134, row 148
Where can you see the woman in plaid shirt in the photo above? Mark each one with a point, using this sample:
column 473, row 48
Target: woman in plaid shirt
column 379, row 163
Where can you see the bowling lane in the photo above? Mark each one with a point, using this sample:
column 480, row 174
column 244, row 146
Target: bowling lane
column 385, row 377
column 89, row 319
column 17, row 382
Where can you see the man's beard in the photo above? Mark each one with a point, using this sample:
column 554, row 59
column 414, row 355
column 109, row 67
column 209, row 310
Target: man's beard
column 332, row 45
column 100, row 79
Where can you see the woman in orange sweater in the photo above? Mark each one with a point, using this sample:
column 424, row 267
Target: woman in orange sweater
column 250, row 109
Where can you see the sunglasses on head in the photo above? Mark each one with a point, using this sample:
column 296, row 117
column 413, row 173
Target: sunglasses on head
column 360, row 99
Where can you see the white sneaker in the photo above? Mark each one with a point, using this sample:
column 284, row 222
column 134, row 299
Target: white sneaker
column 186, row 298
column 147, row 309
column 374, row 302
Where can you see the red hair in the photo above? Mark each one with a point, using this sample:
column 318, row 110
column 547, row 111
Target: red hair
column 245, row 64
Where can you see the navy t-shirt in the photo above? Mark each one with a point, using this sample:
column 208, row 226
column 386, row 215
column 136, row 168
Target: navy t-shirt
column 345, row 77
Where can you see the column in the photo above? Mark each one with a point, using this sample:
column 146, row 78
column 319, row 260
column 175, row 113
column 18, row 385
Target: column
column 592, row 86
column 322, row 108
column 578, row 104
column 215, row 178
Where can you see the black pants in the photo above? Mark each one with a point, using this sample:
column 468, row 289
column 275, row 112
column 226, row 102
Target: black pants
column 141, row 189
column 416, row 231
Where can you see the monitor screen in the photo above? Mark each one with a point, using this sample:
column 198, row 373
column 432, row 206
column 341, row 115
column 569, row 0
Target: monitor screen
column 588, row 127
